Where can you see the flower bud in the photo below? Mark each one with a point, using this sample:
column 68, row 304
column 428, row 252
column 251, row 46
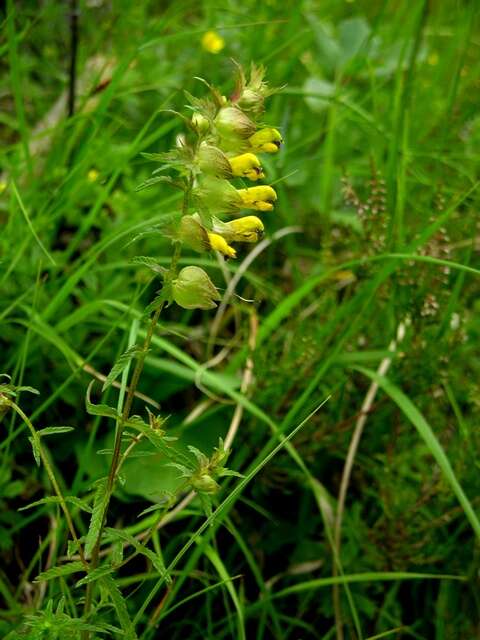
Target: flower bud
column 218, row 243
column 200, row 123
column 233, row 123
column 193, row 289
column 251, row 100
column 211, row 161
column 268, row 140
column 204, row 483
column 259, row 198
column 246, row 165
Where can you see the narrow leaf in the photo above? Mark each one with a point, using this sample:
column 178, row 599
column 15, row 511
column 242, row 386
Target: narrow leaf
column 57, row 500
column 99, row 506
column 49, row 431
column 62, row 570
column 97, row 573
column 99, row 409
column 121, row 364
column 120, row 607
column 35, row 442
column 154, row 558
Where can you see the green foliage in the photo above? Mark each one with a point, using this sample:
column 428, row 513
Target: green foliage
column 375, row 227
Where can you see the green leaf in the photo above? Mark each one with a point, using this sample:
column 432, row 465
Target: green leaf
column 149, row 262
column 99, row 506
column 99, row 409
column 35, row 442
column 157, row 438
column 154, row 558
column 426, row 433
column 57, row 500
column 48, row 431
column 60, row 571
column 97, row 573
column 121, row 364
column 120, row 607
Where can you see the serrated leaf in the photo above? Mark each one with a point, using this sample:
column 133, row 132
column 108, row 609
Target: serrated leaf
column 56, row 500
column 62, row 570
column 149, row 262
column 117, row 552
column 154, row 558
column 97, row 573
column 201, row 457
column 99, row 409
column 99, row 505
column 35, row 442
column 120, row 607
column 121, row 364
column 157, row 438
column 48, row 431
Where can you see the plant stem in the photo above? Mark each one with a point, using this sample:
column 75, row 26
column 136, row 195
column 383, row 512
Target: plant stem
column 116, row 456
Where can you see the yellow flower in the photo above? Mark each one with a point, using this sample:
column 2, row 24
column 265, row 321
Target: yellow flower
column 212, row 42
column 92, row 175
column 268, row 140
column 246, row 165
column 218, row 243
column 246, row 229
column 260, row 198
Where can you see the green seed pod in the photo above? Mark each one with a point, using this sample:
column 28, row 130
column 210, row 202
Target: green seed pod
column 193, row 289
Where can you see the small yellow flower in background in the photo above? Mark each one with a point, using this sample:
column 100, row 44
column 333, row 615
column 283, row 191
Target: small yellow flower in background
column 246, row 229
column 268, row 140
column 212, row 42
column 246, row 165
column 3, row 186
column 260, row 198
column 92, row 175
column 218, row 243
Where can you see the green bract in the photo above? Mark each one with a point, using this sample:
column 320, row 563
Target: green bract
column 193, row 289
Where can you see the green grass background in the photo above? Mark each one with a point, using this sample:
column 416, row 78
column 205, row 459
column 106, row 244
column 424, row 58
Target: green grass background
column 380, row 116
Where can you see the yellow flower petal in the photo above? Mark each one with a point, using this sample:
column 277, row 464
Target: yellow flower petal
column 246, row 165
column 260, row 198
column 246, row 229
column 268, row 140
column 218, row 243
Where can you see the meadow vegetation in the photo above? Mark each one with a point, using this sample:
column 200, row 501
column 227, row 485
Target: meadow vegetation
column 288, row 449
